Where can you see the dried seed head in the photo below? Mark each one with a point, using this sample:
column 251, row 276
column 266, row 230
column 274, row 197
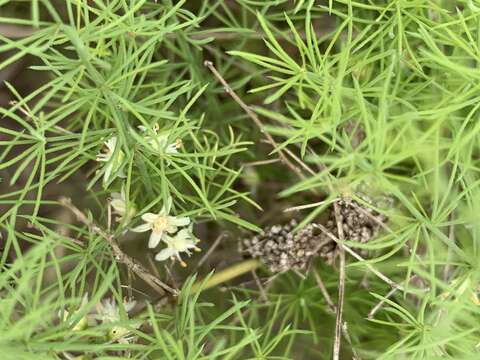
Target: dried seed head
column 282, row 250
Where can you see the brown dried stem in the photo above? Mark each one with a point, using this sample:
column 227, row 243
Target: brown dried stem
column 379, row 305
column 333, row 309
column 255, row 119
column 341, row 287
column 122, row 258
column 386, row 279
column 211, row 249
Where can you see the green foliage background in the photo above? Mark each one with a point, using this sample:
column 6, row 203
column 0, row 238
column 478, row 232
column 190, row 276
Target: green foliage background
column 383, row 94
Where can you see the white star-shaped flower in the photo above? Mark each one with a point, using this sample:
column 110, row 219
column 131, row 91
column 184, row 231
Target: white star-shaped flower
column 183, row 241
column 160, row 224
column 113, row 159
column 107, row 310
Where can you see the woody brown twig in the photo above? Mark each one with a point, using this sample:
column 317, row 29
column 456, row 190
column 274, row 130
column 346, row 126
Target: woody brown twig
column 386, row 279
column 122, row 258
column 255, row 119
column 333, row 309
column 341, row 288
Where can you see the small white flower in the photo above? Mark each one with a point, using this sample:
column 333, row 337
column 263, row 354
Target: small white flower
column 160, row 224
column 159, row 142
column 113, row 159
column 183, row 241
column 120, row 207
column 107, row 311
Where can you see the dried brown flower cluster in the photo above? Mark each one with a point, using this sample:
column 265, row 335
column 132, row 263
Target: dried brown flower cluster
column 281, row 249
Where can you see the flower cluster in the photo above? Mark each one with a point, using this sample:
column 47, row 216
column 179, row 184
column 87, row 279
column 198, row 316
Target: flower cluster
column 171, row 230
column 163, row 224
column 114, row 158
column 107, row 313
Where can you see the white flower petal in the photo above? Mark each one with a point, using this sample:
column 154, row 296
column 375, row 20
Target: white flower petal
column 171, row 149
column 180, row 259
column 179, row 221
column 184, row 234
column 149, row 217
column 167, row 239
column 182, row 241
column 142, row 228
column 155, row 238
column 165, row 254
column 171, row 228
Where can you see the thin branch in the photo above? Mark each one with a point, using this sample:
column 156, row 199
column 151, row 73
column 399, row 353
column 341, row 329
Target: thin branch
column 253, row 34
column 346, row 334
column 390, row 282
column 261, row 288
column 281, row 152
column 377, row 307
column 333, row 309
column 168, row 269
column 268, row 137
column 306, row 206
column 261, row 162
column 246, row 311
column 300, row 162
column 137, row 268
column 151, row 263
column 211, row 249
column 255, row 119
column 341, row 285
column 324, row 291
